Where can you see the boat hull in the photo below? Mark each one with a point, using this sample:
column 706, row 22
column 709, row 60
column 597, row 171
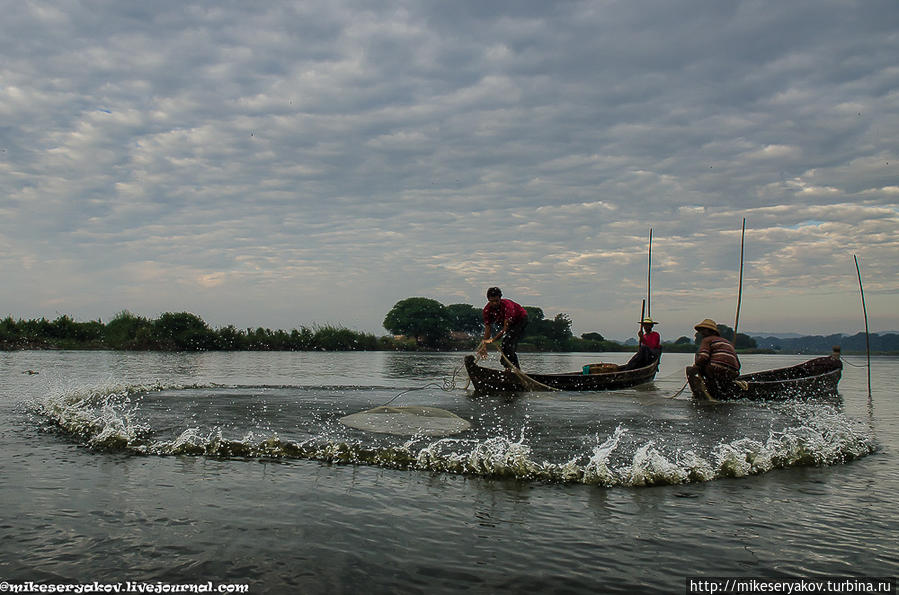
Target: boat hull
column 815, row 378
column 490, row 380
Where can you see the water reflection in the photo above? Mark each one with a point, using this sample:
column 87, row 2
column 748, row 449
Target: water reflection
column 436, row 366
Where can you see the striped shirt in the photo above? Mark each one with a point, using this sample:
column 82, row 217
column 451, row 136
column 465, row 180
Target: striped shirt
column 717, row 351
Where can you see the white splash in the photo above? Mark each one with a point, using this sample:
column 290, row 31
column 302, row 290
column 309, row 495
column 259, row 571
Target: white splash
column 107, row 417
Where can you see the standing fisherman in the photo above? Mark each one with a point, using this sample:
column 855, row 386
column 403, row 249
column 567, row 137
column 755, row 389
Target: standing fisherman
column 512, row 317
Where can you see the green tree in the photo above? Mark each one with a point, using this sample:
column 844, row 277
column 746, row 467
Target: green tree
column 9, row 333
column 121, row 331
column 742, row 341
column 302, row 339
column 537, row 328
column 535, row 314
column 183, row 331
column 232, row 339
column 560, row 329
column 547, row 334
column 425, row 319
column 259, row 339
column 465, row 318
column 339, row 338
column 745, row 342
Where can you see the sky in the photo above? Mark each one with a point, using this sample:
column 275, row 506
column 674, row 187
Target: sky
column 303, row 163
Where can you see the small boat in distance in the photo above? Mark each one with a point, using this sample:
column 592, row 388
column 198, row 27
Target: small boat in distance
column 815, row 378
column 597, row 377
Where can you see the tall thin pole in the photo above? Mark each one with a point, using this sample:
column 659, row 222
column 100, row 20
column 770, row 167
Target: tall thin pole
column 740, row 287
column 865, row 311
column 649, row 280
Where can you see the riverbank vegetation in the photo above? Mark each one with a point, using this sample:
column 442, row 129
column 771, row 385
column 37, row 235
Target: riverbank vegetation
column 179, row 331
column 414, row 324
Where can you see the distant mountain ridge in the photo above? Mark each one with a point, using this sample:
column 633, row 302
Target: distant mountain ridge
column 777, row 335
column 800, row 335
column 790, row 342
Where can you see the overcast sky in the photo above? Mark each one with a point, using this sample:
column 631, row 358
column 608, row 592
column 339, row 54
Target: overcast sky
column 286, row 164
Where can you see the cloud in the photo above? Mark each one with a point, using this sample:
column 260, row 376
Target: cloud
column 292, row 164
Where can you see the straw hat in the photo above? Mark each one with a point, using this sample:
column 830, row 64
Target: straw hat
column 648, row 320
column 707, row 324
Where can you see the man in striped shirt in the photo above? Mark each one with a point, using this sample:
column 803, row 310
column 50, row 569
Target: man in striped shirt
column 716, row 358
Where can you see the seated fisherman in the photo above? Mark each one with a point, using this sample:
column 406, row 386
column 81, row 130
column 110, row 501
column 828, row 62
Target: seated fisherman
column 650, row 348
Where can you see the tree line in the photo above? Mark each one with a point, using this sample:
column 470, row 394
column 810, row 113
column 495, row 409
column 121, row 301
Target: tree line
column 177, row 331
column 415, row 323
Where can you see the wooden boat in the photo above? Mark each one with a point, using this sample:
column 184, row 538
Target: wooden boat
column 598, row 377
column 815, row 378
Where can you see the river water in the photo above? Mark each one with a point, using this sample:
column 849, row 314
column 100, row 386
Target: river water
column 180, row 468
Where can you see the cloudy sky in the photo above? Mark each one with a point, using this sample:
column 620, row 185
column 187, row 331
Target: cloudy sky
column 287, row 164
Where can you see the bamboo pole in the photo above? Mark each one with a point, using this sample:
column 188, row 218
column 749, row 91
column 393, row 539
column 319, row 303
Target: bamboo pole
column 865, row 312
column 740, row 287
column 649, row 281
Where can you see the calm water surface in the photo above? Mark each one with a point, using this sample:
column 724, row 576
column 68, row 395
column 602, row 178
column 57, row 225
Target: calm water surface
column 235, row 467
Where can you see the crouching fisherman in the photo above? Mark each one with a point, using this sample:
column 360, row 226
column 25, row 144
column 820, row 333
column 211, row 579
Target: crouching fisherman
column 716, row 360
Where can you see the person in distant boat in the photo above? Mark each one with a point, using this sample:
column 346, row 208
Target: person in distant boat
column 650, row 348
column 512, row 317
column 716, row 360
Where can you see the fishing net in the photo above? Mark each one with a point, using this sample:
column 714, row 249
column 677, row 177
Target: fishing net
column 407, row 421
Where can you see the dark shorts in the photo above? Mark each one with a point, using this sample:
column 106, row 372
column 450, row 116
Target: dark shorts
column 510, row 341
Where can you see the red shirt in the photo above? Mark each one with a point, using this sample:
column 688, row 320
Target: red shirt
column 652, row 340
column 507, row 310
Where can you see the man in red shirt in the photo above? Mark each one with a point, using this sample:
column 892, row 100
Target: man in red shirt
column 650, row 348
column 513, row 319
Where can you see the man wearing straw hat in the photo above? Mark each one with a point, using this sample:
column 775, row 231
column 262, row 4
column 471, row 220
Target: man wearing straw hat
column 716, row 359
column 650, row 348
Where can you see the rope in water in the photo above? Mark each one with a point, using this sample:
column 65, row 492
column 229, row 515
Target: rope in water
column 449, row 385
column 409, row 390
column 845, row 361
column 680, row 391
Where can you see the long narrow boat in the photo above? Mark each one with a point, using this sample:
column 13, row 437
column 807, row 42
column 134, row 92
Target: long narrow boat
column 815, row 378
column 598, row 377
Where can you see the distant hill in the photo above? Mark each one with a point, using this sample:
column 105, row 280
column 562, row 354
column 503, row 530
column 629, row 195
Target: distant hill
column 765, row 334
column 880, row 343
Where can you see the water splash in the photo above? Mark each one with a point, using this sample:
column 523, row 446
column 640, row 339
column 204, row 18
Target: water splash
column 109, row 417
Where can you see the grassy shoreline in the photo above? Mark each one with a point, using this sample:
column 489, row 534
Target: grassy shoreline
column 187, row 332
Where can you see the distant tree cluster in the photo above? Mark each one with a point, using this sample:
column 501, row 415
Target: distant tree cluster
column 175, row 331
column 742, row 341
column 433, row 325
